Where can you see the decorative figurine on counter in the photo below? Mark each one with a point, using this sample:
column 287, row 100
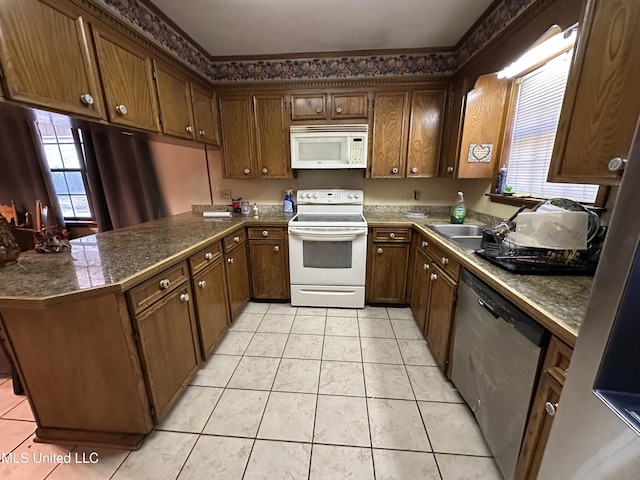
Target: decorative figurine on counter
column 9, row 249
column 49, row 240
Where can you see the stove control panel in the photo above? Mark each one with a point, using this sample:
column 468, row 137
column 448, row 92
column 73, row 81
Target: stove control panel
column 329, row 196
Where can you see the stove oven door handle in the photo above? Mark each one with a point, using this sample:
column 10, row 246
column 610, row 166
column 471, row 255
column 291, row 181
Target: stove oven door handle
column 321, row 235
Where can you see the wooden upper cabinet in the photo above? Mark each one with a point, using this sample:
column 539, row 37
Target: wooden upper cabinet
column 452, row 136
column 175, row 103
column 272, row 137
column 206, row 115
column 237, row 139
column 349, row 105
column 483, row 127
column 47, row 59
column 309, row 106
column 389, row 139
column 425, row 132
column 128, row 83
column 601, row 103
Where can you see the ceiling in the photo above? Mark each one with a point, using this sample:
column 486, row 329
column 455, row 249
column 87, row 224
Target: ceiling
column 237, row 28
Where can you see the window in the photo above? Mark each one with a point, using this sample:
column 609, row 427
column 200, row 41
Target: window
column 531, row 134
column 64, row 152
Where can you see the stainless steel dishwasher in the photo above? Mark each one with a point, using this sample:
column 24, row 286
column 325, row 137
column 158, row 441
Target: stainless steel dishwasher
column 496, row 356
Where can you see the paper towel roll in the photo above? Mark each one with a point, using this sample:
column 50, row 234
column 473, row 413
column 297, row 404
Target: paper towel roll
column 216, row 214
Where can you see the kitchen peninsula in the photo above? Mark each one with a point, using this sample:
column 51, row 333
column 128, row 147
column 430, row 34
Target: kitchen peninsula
column 75, row 322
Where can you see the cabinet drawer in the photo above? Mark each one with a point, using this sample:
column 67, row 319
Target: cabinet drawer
column 232, row 241
column 256, row 233
column 392, row 235
column 308, row 107
column 152, row 290
column 205, row 257
column 556, row 362
column 348, row 105
column 444, row 260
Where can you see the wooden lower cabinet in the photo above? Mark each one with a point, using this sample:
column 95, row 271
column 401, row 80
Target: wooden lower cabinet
column 169, row 347
column 212, row 305
column 442, row 299
column 237, row 273
column 269, row 262
column 420, row 283
column 387, row 264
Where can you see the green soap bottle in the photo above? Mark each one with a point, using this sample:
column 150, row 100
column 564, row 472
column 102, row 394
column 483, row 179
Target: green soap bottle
column 458, row 211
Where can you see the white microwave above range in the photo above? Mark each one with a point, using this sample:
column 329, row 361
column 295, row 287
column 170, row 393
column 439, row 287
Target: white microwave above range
column 329, row 146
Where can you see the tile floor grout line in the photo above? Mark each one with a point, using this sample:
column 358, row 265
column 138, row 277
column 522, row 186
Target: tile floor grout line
column 315, row 415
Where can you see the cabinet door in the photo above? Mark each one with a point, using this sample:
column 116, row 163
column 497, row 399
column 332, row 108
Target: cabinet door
column 269, row 261
column 309, row 107
column 237, row 279
column 46, row 58
column 128, row 83
column 272, row 137
column 210, row 291
column 206, row 115
column 483, row 121
column 387, row 272
column 538, row 428
column 348, row 105
column 175, row 103
column 601, row 104
column 440, row 314
column 453, row 131
column 170, row 349
column 389, row 148
column 237, row 139
column 420, row 287
column 425, row 133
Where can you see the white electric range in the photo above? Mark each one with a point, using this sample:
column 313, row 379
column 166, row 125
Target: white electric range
column 328, row 249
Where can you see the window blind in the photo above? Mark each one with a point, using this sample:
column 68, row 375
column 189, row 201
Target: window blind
column 535, row 121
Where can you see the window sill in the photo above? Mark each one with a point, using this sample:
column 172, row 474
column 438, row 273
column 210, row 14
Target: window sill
column 531, row 202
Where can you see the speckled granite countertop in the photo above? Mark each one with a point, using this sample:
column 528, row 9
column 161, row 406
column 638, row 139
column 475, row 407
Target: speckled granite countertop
column 119, row 259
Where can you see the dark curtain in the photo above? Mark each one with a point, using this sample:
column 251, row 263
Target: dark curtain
column 123, row 185
column 24, row 177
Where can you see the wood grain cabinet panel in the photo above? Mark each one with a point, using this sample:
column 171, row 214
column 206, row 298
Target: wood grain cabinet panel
column 47, row 58
column 389, row 140
column 349, row 105
column 237, row 272
column 170, row 347
column 206, row 115
column 127, row 77
column 174, row 98
column 387, row 272
column 440, row 314
column 425, row 132
column 420, row 283
column 237, row 137
column 308, row 107
column 601, row 104
column 272, row 137
column 269, row 260
column 212, row 306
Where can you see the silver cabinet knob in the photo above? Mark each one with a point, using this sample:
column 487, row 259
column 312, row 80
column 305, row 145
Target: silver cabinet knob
column 86, row 99
column 121, row 109
column 414, row 170
column 444, row 260
column 264, row 170
column 265, row 233
column 380, row 251
column 551, row 408
column 339, row 110
column 394, row 170
column 189, row 128
column 392, row 235
column 425, row 266
column 184, row 297
column 202, row 133
column 318, row 110
column 449, row 169
column 617, row 164
column 164, row 283
column 424, row 244
column 202, row 283
column 276, row 248
column 247, row 171
column 230, row 261
column 434, row 276
column 208, row 256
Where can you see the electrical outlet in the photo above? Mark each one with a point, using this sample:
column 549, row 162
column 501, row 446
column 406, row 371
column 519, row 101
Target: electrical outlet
column 226, row 193
column 416, row 195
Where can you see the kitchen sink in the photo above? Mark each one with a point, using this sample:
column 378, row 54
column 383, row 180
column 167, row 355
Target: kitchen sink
column 468, row 237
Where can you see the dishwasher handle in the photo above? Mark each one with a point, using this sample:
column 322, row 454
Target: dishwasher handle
column 488, row 308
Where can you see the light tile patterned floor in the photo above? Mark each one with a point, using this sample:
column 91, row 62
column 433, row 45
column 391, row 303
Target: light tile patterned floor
column 308, row 393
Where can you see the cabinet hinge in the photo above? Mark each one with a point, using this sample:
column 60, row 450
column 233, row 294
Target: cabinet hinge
column 153, row 74
column 1, row 72
column 153, row 412
column 136, row 336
